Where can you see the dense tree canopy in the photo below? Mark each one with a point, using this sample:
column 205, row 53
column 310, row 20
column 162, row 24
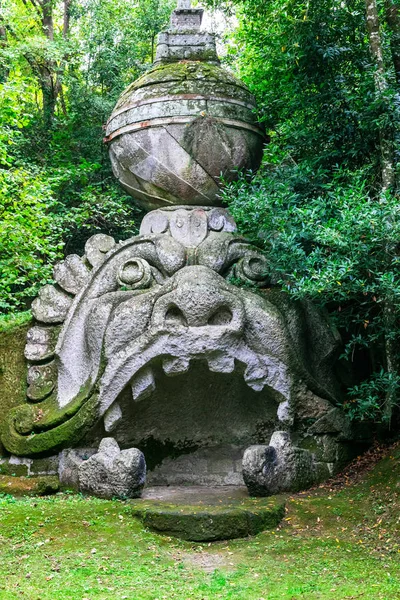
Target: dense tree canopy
column 64, row 64
column 325, row 204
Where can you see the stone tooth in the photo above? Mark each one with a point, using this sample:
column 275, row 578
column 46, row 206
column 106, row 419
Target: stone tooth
column 71, row 274
column 41, row 381
column 41, row 343
column 257, row 386
column 221, row 364
column 112, row 417
column 143, row 384
column 51, row 305
column 255, row 377
column 175, row 365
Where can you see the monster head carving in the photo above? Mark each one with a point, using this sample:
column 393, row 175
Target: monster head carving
column 162, row 297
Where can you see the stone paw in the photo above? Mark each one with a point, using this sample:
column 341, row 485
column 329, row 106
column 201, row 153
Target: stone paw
column 279, row 467
column 112, row 472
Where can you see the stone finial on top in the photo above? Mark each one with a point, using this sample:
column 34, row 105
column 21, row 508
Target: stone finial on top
column 184, row 40
column 186, row 17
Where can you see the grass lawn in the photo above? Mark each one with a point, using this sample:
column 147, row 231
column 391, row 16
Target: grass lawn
column 335, row 543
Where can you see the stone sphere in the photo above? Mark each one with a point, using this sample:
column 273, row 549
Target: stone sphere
column 180, row 127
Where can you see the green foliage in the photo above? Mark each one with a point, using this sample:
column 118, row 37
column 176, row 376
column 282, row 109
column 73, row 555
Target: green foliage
column 56, row 185
column 337, row 247
column 309, row 65
column 368, row 400
column 318, row 206
column 10, row 321
column 29, row 240
column 45, row 214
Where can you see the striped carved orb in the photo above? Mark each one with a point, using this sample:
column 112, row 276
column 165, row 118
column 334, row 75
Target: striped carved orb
column 180, row 127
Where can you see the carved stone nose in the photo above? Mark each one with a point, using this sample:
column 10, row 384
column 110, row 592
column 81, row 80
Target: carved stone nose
column 205, row 315
column 200, row 300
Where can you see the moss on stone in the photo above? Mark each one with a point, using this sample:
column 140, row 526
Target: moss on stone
column 177, row 76
column 14, row 470
column 29, row 486
column 210, row 523
column 13, row 365
column 9, row 322
column 68, row 432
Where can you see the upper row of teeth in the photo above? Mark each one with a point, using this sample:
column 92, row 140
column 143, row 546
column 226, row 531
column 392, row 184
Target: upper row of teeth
column 143, row 383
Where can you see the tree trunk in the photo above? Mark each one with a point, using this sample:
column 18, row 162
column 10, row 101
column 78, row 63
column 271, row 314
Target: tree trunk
column 67, row 7
column 392, row 13
column 49, row 94
column 47, row 18
column 4, row 70
column 381, row 85
column 48, row 72
column 386, row 137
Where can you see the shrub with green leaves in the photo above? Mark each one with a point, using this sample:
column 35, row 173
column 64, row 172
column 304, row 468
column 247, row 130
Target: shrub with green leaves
column 338, row 247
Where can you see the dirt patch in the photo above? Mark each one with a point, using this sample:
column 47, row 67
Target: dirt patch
column 208, row 562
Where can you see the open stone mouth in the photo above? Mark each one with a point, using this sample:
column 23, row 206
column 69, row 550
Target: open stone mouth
column 224, row 353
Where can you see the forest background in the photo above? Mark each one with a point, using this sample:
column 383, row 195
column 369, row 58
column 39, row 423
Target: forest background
column 324, row 206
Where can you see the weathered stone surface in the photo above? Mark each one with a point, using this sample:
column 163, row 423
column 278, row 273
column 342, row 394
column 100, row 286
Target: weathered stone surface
column 41, row 381
column 310, row 406
column 113, row 473
column 158, row 323
column 334, row 421
column 206, row 514
column 41, row 342
column 71, row 274
column 187, row 226
column 51, row 306
column 184, row 123
column 69, row 463
column 279, row 467
column 185, row 41
column 135, row 274
column 97, row 247
column 180, row 126
column 29, row 467
column 213, row 466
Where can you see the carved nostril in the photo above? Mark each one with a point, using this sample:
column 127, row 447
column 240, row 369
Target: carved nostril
column 175, row 315
column 222, row 316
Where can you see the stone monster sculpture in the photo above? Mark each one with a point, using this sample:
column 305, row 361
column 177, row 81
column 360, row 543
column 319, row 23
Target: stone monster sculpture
column 166, row 299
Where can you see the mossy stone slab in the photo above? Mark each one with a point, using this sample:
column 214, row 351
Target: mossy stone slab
column 231, row 518
column 29, row 486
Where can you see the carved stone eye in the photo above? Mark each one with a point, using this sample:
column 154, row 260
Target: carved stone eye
column 255, row 267
column 252, row 269
column 135, row 274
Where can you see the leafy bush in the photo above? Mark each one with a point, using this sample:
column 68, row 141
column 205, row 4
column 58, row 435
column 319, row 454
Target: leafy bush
column 339, row 247
column 368, row 400
column 37, row 229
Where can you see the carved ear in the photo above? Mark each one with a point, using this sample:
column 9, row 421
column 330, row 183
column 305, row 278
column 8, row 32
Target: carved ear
column 63, row 368
column 50, row 310
column 41, row 424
